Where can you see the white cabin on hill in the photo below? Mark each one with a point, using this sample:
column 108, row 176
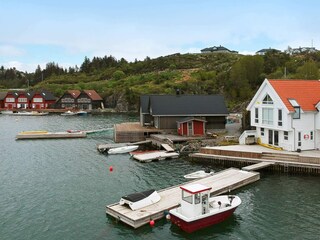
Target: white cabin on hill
column 285, row 114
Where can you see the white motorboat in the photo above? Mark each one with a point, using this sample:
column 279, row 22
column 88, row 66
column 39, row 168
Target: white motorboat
column 199, row 210
column 68, row 113
column 199, row 174
column 124, row 149
column 140, row 200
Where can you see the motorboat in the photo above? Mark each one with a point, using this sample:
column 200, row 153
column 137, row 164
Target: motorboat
column 81, row 113
column 199, row 174
column 198, row 210
column 68, row 113
column 124, row 149
column 140, row 200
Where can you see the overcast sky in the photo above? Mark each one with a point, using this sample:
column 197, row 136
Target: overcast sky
column 35, row 32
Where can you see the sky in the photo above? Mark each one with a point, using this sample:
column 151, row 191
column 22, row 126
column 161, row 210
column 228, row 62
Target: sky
column 36, row 32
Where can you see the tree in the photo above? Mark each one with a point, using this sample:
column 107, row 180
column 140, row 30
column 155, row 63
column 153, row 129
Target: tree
column 308, row 71
column 86, row 65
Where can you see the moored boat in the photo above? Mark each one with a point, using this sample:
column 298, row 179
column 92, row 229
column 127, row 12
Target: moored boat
column 124, row 149
column 68, row 113
column 198, row 210
column 199, row 174
column 140, row 200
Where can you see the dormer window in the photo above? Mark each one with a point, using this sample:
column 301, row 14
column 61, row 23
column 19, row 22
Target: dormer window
column 297, row 109
column 267, row 100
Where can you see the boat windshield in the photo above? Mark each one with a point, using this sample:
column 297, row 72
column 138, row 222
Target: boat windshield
column 187, row 197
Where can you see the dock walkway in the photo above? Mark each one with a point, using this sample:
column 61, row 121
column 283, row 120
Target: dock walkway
column 257, row 166
column 221, row 182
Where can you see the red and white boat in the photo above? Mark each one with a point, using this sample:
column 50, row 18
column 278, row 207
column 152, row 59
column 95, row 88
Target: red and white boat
column 199, row 210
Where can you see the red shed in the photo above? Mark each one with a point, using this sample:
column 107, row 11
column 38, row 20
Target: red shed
column 192, row 127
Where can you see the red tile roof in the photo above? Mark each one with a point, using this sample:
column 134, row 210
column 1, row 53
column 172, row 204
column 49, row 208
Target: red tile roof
column 74, row 93
column 93, row 95
column 305, row 92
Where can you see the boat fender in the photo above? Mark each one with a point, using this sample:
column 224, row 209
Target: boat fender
column 151, row 223
column 219, row 204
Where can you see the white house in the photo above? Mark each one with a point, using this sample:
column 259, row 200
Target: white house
column 286, row 114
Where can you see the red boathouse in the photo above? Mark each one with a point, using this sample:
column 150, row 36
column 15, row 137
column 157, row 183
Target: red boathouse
column 192, row 127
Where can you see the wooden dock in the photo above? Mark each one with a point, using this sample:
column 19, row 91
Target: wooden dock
column 49, row 135
column 257, row 166
column 155, row 156
column 221, row 182
column 132, row 132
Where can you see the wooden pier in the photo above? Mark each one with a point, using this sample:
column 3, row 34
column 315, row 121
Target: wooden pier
column 257, row 166
column 49, row 135
column 132, row 132
column 221, row 182
column 243, row 155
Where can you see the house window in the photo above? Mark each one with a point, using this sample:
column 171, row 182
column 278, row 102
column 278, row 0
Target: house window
column 311, row 135
column 285, row 135
column 297, row 110
column 299, row 139
column 267, row 116
column 267, row 100
column 256, row 115
column 279, row 117
column 262, row 131
column 296, row 114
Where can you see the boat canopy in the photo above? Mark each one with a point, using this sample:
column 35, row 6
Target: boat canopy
column 135, row 197
column 195, row 188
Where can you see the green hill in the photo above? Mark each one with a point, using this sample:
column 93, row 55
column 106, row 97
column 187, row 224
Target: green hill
column 235, row 76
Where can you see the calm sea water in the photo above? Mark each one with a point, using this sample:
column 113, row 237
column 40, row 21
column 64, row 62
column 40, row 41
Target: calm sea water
column 58, row 189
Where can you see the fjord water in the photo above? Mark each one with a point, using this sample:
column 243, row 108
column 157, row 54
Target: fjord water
column 58, row 189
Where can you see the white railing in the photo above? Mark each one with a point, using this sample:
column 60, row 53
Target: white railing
column 245, row 134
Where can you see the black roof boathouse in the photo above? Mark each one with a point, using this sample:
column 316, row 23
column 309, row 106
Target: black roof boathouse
column 164, row 111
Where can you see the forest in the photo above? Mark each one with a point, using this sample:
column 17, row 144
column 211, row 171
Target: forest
column 235, row 76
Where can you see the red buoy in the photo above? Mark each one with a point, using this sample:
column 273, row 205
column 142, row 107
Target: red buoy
column 151, row 223
column 110, row 168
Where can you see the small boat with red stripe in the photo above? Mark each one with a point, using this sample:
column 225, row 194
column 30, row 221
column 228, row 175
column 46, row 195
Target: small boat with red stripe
column 198, row 210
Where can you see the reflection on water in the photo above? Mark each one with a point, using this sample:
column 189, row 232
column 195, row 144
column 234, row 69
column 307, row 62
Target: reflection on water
column 58, row 189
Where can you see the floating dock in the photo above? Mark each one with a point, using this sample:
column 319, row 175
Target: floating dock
column 49, row 135
column 221, row 182
column 155, row 156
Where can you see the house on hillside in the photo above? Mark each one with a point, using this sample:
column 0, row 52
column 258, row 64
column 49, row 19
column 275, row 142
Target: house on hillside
column 185, row 114
column 285, row 113
column 75, row 99
column 266, row 50
column 217, row 49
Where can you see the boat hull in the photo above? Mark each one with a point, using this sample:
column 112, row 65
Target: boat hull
column 195, row 225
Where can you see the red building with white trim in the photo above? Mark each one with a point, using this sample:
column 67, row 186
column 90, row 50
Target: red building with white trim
column 191, row 127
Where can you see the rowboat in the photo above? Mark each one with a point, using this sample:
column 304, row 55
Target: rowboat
column 124, row 149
